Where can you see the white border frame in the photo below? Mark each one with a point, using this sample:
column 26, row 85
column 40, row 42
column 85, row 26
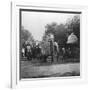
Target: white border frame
column 15, row 82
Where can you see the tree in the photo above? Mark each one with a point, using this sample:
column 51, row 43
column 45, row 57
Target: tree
column 74, row 26
column 58, row 31
column 60, row 35
column 25, row 35
column 50, row 28
column 62, row 31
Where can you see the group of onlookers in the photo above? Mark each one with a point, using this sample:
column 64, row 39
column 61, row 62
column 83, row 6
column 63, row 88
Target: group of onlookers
column 36, row 50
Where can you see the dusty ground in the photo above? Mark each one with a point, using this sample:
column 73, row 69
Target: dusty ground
column 37, row 70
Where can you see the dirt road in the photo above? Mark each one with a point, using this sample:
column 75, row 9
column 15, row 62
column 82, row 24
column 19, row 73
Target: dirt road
column 31, row 71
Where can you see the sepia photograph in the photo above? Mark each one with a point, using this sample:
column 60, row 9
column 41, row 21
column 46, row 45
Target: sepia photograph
column 49, row 43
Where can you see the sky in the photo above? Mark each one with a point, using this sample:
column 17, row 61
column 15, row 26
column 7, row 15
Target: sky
column 35, row 22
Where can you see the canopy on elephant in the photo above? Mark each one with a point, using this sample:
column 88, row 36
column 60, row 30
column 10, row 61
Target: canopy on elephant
column 72, row 38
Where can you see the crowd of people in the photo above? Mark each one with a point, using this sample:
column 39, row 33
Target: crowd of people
column 36, row 50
